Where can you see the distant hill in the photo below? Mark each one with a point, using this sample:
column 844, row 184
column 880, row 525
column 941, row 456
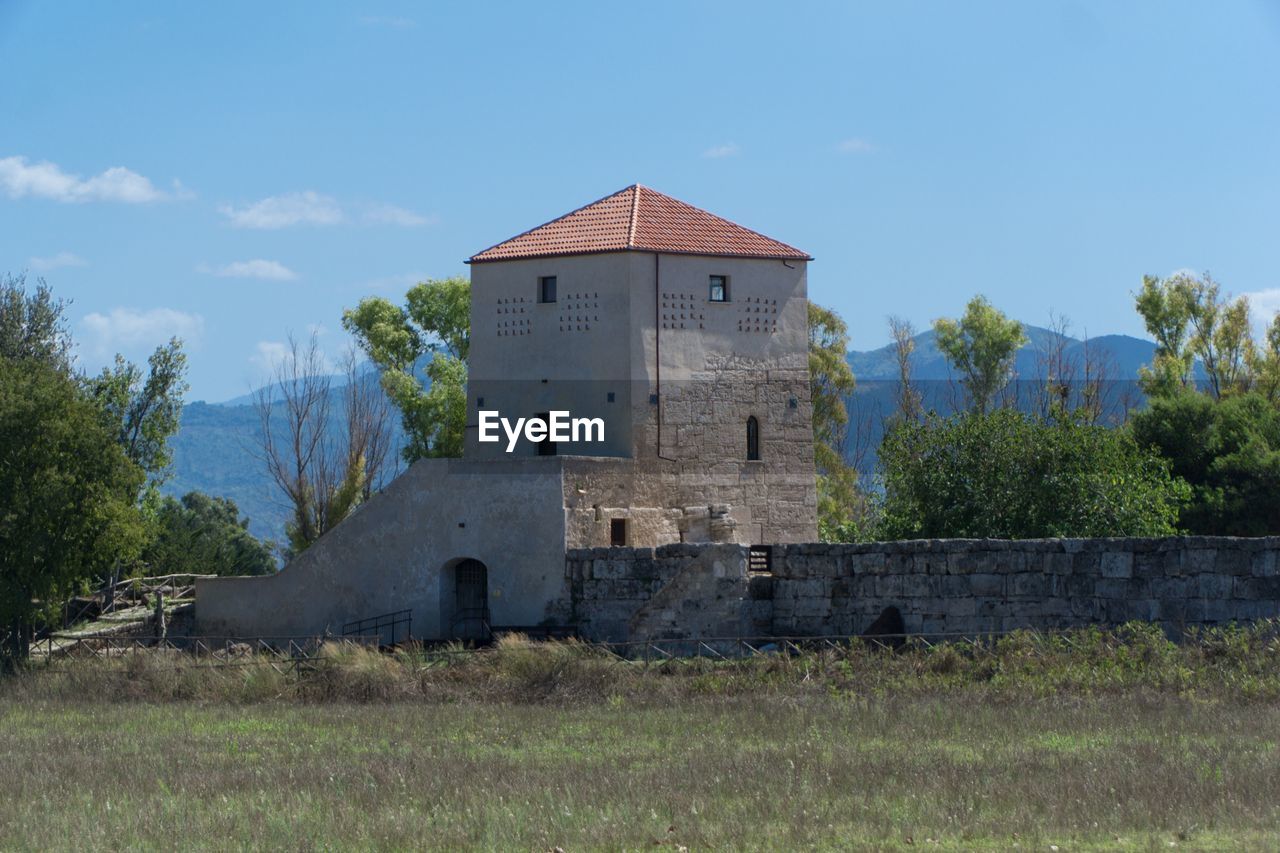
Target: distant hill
column 1126, row 354
column 216, row 451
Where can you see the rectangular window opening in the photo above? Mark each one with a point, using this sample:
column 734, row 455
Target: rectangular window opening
column 617, row 532
column 547, row 288
column 760, row 559
column 719, row 289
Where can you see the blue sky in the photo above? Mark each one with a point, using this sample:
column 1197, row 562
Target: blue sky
column 232, row 172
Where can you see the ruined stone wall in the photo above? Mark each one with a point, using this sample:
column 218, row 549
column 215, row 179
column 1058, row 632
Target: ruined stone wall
column 940, row 586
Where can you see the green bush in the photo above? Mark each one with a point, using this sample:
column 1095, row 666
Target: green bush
column 1007, row 475
column 1228, row 450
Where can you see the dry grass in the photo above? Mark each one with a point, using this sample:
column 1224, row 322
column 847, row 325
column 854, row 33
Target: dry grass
column 1102, row 740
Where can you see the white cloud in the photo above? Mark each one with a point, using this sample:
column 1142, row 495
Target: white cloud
column 129, row 328
column 20, row 179
column 268, row 354
column 256, row 268
column 311, row 208
column 1263, row 306
column 855, row 146
column 281, row 211
column 62, row 259
column 389, row 214
column 715, row 152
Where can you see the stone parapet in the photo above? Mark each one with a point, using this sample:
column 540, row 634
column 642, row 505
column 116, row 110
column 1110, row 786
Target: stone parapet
column 941, row 586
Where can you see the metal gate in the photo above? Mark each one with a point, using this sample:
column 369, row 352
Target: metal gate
column 471, row 601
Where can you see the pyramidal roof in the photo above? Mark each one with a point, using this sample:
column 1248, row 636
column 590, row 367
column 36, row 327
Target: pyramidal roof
column 639, row 219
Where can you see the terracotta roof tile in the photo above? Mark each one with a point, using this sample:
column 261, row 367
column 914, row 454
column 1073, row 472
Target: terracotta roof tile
column 639, row 219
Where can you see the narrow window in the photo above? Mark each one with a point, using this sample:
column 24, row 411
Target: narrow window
column 753, row 439
column 719, row 288
column 617, row 532
column 546, row 447
column 547, row 288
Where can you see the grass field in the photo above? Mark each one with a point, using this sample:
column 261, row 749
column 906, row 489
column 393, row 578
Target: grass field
column 1110, row 742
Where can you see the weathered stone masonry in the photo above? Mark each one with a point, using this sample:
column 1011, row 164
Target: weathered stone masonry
column 941, row 586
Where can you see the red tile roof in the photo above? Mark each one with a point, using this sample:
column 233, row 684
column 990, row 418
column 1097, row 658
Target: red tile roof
column 639, row 219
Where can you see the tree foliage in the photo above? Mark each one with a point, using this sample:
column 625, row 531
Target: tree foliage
column 1222, row 434
column 1229, row 453
column 1007, row 475
column 982, row 345
column 145, row 410
column 68, row 494
column 32, row 325
column 201, row 534
column 830, row 381
column 1194, row 324
column 436, row 320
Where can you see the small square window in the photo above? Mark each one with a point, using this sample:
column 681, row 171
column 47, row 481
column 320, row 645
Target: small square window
column 719, row 288
column 617, row 532
column 547, row 288
column 611, row 397
column 480, row 402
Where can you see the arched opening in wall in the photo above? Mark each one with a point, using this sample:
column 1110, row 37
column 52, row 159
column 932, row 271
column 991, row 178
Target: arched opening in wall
column 471, row 619
column 753, row 439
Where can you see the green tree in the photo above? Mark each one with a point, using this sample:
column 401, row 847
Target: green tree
column 1266, row 363
column 1007, row 475
column 830, row 381
column 1193, row 323
column 435, row 320
column 1229, row 453
column 68, row 495
column 201, row 534
column 1166, row 310
column 147, row 410
column 982, row 345
column 33, row 325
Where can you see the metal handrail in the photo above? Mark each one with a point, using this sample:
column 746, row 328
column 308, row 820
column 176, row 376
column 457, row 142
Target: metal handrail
column 392, row 620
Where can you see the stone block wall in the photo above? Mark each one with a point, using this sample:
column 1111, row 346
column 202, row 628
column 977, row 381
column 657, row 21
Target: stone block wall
column 940, row 586
column 620, row 594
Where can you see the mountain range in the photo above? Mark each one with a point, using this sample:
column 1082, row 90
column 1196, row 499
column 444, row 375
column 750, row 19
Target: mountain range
column 1122, row 354
column 215, row 449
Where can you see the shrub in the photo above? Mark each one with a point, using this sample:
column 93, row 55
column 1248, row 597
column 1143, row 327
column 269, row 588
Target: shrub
column 1007, row 475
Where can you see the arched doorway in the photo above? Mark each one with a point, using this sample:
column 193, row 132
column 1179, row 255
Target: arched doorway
column 471, row 601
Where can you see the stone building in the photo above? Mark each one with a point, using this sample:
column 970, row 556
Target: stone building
column 684, row 334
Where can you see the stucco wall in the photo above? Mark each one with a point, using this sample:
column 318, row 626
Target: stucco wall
column 578, row 345
column 393, row 553
column 684, row 375
column 940, row 586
